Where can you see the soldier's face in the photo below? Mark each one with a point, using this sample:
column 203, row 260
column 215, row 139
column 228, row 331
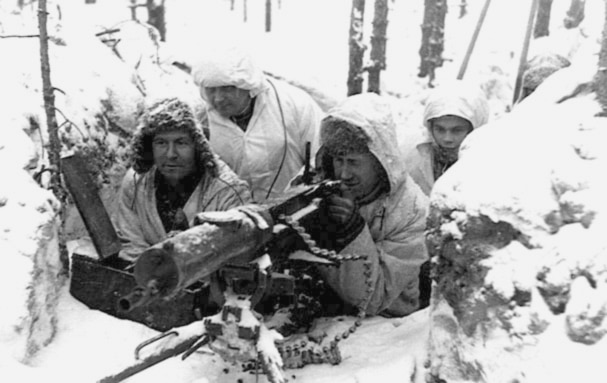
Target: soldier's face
column 359, row 173
column 229, row 101
column 449, row 131
column 174, row 155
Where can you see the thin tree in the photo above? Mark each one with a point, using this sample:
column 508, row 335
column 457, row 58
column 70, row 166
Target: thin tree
column 268, row 15
column 378, row 45
column 463, row 9
column 575, row 14
column 523, row 57
column 244, row 11
column 601, row 76
column 477, row 30
column 542, row 20
column 54, row 152
column 232, row 5
column 357, row 48
column 133, row 8
column 156, row 17
column 433, row 38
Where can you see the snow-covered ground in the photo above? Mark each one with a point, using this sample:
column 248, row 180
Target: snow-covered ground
column 307, row 46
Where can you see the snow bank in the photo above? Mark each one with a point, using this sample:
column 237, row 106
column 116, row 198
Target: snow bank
column 520, row 279
column 30, row 280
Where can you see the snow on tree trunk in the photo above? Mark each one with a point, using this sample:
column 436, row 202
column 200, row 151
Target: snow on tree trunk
column 433, row 35
column 357, row 48
column 542, row 20
column 156, row 17
column 575, row 14
column 54, row 150
column 518, row 247
column 601, row 76
column 268, row 15
column 378, row 45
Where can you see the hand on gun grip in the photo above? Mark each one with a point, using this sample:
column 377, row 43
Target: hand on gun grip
column 341, row 210
column 345, row 220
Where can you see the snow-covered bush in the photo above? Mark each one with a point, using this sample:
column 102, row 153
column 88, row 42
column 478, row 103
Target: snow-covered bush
column 517, row 237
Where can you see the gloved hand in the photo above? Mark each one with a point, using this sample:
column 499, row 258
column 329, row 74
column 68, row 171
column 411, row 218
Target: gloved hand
column 341, row 210
column 345, row 221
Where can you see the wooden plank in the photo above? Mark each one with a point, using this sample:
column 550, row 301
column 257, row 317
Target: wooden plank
column 96, row 219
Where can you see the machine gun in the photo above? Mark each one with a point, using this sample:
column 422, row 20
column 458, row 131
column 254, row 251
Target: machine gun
column 219, row 239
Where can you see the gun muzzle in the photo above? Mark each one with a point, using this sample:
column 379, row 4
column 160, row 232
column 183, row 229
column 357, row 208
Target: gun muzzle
column 138, row 297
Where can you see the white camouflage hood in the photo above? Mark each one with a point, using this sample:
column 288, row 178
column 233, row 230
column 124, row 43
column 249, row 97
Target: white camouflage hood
column 457, row 98
column 373, row 114
column 229, row 67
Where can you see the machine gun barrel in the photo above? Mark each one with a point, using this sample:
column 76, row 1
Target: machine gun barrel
column 139, row 297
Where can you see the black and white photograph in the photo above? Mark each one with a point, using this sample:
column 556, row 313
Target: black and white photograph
column 303, row 191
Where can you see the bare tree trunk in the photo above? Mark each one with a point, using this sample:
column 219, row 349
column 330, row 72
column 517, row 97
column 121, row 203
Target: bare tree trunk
column 463, row 9
column 244, row 11
column 542, row 20
column 156, row 17
column 575, row 14
column 268, row 15
column 601, row 76
column 54, row 152
column 357, row 48
column 433, row 38
column 133, row 7
column 378, row 45
column 232, row 5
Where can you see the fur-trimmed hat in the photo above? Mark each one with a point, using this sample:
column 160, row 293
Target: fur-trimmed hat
column 168, row 115
column 341, row 137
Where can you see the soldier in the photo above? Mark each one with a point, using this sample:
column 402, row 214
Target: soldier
column 380, row 212
column 258, row 126
column 174, row 176
column 452, row 111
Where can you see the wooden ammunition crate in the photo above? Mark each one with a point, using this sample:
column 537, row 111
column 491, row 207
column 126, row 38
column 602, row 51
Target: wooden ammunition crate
column 100, row 284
